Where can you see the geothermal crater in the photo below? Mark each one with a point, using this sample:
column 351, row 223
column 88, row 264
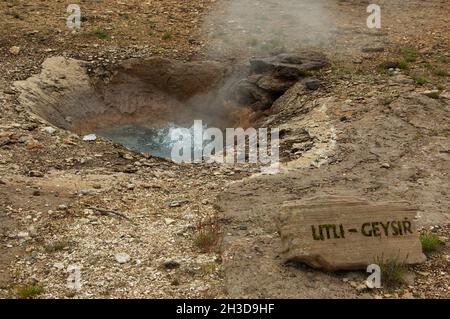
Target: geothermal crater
column 145, row 98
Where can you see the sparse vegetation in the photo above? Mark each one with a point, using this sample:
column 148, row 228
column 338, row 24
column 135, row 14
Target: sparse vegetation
column 392, row 273
column 209, row 268
column 430, row 242
column 403, row 65
column 409, row 54
column 56, row 246
column 387, row 100
column 207, row 235
column 101, row 34
column 15, row 15
column 420, row 79
column 29, row 291
column 167, row 36
column 440, row 71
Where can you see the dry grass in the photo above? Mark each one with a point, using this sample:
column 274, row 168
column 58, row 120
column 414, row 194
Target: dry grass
column 207, row 235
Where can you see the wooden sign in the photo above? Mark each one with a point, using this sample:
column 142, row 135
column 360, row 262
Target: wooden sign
column 335, row 233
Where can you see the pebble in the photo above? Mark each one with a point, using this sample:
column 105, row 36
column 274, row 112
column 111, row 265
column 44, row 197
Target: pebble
column 311, row 84
column 169, row 221
column 385, row 165
column 122, row 258
column 49, row 130
column 59, row 266
column 35, row 174
column 177, row 203
column 23, row 234
column 432, row 93
column 14, row 50
column 171, row 264
column 90, row 138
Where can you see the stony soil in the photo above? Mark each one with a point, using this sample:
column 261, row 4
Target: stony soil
column 372, row 132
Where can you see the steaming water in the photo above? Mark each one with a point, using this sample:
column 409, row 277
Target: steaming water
column 156, row 141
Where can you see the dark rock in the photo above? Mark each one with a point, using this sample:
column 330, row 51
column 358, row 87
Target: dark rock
column 311, row 83
column 290, row 58
column 258, row 106
column 171, row 264
column 30, row 126
column 391, row 64
column 273, row 84
column 286, row 65
column 289, row 71
column 130, row 169
column 248, row 93
column 372, row 49
column 35, row 174
column 261, row 65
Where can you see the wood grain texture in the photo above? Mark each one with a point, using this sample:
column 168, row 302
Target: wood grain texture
column 336, row 233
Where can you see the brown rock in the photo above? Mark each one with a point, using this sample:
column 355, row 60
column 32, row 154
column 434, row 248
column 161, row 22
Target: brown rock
column 333, row 232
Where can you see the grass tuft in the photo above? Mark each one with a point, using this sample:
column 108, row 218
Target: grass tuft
column 29, row 291
column 167, row 36
column 56, row 246
column 410, row 54
column 207, row 235
column 392, row 273
column 420, row 79
column 101, row 34
column 430, row 242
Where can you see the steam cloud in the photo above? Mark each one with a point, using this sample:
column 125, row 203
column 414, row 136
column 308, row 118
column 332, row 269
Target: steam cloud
column 242, row 27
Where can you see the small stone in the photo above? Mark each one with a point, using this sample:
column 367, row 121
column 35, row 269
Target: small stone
column 169, row 221
column 32, row 144
column 409, row 278
column 385, row 165
column 408, row 295
column 391, row 64
column 423, row 273
column 434, row 94
column 90, row 138
column 311, row 84
column 127, row 156
column 171, row 264
column 361, row 287
column 87, row 191
column 177, row 203
column 23, row 234
column 62, row 207
column 130, row 186
column 122, row 258
column 35, row 174
column 59, row 266
column 373, row 49
column 49, row 130
column 14, row 50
